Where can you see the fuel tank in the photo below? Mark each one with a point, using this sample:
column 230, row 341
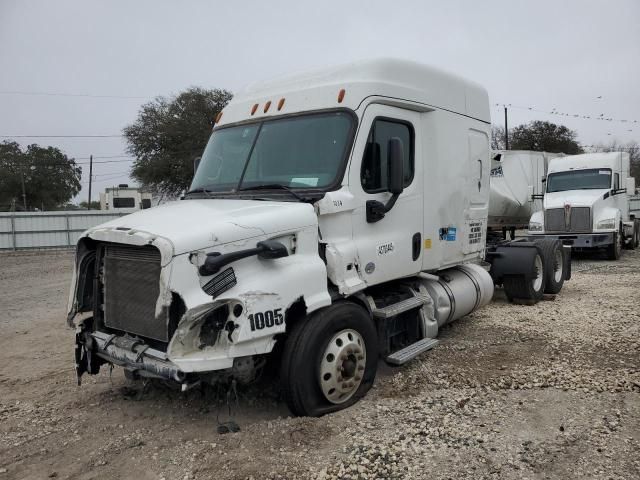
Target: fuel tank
column 458, row 291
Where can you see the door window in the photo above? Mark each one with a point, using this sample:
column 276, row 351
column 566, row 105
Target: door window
column 375, row 165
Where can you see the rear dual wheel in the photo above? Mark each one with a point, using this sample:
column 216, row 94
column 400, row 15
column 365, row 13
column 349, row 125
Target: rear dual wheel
column 527, row 288
column 330, row 360
column 553, row 255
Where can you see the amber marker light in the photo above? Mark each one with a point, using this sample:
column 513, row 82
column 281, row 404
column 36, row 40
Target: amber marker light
column 266, row 106
column 254, row 108
column 341, row 95
column 280, row 104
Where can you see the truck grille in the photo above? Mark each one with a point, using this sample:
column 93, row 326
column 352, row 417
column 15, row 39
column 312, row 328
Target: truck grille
column 579, row 221
column 131, row 290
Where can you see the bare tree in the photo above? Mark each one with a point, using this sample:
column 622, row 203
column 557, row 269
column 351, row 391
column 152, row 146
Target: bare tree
column 497, row 138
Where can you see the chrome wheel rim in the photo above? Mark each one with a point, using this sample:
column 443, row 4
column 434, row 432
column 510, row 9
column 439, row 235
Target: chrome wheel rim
column 342, row 366
column 557, row 266
column 537, row 281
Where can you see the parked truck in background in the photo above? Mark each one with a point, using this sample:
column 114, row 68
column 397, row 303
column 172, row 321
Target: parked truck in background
column 335, row 218
column 517, row 188
column 586, row 203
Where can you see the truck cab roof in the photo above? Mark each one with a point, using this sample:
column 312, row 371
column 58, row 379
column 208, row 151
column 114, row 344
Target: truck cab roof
column 390, row 79
column 613, row 160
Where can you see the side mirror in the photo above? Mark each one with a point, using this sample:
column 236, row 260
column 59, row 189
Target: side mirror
column 196, row 162
column 266, row 250
column 395, row 159
column 631, row 186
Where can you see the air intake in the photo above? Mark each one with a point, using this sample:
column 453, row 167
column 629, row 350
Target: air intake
column 220, row 283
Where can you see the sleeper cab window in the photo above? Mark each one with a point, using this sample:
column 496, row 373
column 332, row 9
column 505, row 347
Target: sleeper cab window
column 375, row 165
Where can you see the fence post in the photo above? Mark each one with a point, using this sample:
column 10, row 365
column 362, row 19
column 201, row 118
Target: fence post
column 66, row 218
column 13, row 231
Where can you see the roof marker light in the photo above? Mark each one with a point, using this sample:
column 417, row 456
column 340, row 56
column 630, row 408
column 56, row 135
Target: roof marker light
column 280, row 104
column 266, row 106
column 254, row 108
column 341, row 95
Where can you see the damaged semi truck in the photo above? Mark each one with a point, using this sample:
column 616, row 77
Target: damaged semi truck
column 335, row 218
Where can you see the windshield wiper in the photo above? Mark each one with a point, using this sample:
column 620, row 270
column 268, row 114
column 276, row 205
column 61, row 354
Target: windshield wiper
column 200, row 190
column 273, row 186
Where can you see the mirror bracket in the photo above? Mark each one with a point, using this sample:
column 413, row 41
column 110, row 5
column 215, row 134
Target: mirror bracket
column 376, row 210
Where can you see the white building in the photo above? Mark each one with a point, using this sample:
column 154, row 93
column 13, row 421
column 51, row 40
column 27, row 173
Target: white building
column 124, row 197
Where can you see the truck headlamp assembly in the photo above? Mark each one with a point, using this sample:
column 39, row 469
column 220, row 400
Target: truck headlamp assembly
column 535, row 227
column 609, row 223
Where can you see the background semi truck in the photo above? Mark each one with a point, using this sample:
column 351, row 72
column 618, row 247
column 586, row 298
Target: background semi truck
column 335, row 218
column 586, row 203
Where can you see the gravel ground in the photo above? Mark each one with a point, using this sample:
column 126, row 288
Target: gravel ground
column 545, row 391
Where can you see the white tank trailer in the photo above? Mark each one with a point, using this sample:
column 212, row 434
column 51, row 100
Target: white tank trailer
column 517, row 187
column 336, row 218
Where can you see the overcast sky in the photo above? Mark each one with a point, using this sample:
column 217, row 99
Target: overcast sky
column 540, row 54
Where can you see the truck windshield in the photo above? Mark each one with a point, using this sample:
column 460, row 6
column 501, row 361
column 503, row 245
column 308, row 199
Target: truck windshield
column 305, row 151
column 579, row 180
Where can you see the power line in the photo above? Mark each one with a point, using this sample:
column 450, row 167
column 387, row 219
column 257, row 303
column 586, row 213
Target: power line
column 57, row 94
column 601, row 117
column 61, row 136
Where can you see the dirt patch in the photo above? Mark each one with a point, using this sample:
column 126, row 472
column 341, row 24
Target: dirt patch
column 544, row 391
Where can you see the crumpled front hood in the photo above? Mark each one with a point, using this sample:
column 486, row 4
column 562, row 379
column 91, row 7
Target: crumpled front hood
column 575, row 198
column 198, row 224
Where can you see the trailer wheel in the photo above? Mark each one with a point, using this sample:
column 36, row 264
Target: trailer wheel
column 521, row 287
column 615, row 249
column 553, row 256
column 330, row 360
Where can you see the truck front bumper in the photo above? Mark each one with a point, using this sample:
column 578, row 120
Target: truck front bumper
column 580, row 240
column 134, row 356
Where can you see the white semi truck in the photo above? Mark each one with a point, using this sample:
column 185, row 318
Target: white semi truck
column 586, row 203
column 335, row 218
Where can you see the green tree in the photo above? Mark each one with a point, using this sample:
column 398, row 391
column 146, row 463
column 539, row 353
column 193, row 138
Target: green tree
column 168, row 134
column 50, row 178
column 95, row 205
column 544, row 137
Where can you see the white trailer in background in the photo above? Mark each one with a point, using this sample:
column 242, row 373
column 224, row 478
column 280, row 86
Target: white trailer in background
column 586, row 203
column 124, row 198
column 517, row 187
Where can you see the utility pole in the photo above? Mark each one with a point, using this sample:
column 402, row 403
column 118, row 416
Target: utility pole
column 90, row 178
column 24, row 192
column 506, row 129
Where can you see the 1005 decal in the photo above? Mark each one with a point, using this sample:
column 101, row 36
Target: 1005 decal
column 266, row 319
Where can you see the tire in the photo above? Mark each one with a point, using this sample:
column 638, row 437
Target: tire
column 553, row 257
column 520, row 287
column 637, row 235
column 334, row 337
column 615, row 249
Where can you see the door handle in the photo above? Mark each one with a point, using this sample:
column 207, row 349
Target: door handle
column 416, row 243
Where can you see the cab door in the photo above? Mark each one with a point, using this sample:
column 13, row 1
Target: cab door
column 392, row 246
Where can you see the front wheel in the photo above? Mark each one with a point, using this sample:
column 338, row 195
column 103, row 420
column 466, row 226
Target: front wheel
column 330, row 360
column 615, row 249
